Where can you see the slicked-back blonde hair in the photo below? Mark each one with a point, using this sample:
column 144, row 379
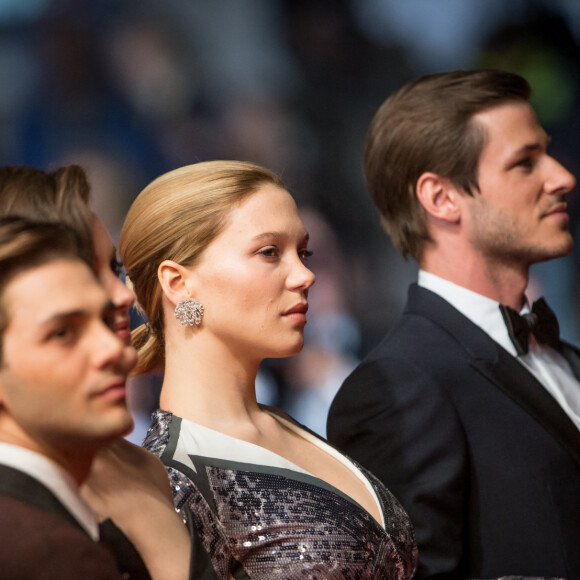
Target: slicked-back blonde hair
column 175, row 218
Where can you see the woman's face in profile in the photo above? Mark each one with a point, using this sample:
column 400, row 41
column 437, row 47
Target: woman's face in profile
column 108, row 269
column 252, row 278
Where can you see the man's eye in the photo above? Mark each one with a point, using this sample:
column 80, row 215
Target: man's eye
column 527, row 163
column 62, row 333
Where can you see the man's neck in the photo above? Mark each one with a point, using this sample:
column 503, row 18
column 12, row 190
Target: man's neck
column 501, row 283
column 76, row 462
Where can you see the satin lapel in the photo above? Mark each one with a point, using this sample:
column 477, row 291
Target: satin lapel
column 514, row 380
column 501, row 368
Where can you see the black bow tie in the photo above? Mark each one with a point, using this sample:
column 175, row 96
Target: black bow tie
column 541, row 322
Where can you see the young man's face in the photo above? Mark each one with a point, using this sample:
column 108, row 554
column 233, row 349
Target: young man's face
column 520, row 213
column 63, row 371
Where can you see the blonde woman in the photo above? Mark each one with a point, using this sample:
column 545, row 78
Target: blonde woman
column 217, row 257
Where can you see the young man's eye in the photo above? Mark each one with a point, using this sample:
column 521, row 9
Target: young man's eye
column 526, row 163
column 61, row 333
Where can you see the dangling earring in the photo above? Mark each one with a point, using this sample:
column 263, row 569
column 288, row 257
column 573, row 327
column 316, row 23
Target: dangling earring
column 189, row 312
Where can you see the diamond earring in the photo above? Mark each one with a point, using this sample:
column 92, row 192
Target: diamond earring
column 189, row 312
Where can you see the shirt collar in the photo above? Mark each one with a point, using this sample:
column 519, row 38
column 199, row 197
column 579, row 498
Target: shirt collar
column 482, row 311
column 55, row 478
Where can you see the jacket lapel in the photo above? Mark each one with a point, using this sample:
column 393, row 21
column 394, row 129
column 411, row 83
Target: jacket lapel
column 524, row 389
column 501, row 368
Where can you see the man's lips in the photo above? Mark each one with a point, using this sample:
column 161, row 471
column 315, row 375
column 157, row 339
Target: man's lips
column 113, row 391
column 558, row 209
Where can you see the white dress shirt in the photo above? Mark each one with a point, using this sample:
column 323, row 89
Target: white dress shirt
column 54, row 478
column 546, row 364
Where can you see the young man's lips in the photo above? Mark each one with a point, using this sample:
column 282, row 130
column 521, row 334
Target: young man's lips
column 115, row 390
column 560, row 209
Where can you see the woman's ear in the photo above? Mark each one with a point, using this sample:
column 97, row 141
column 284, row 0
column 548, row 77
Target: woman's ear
column 439, row 197
column 174, row 280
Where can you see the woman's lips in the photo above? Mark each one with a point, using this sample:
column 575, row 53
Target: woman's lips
column 123, row 330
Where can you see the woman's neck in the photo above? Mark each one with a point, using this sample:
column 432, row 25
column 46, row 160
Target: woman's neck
column 211, row 387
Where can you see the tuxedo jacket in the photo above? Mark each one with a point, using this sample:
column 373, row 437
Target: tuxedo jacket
column 40, row 539
column 481, row 456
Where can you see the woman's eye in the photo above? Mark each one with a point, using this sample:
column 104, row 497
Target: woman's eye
column 305, row 254
column 116, row 267
column 269, row 252
column 109, row 320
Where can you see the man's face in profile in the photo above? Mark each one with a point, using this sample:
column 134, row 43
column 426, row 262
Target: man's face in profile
column 63, row 371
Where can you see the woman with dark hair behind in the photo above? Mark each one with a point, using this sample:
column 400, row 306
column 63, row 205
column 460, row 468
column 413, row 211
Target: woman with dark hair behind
column 124, row 478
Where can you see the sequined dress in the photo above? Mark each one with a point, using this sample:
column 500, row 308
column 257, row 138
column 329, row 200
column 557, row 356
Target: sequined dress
column 260, row 516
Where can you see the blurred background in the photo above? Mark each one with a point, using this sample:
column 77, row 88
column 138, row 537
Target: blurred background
column 130, row 89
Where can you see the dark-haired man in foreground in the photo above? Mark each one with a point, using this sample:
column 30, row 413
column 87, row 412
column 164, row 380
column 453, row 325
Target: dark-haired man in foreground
column 476, row 432
column 62, row 398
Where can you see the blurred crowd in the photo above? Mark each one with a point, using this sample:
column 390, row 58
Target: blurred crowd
column 130, row 89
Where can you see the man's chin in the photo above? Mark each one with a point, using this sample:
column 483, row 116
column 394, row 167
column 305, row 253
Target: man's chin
column 127, row 428
column 117, row 428
column 566, row 247
column 558, row 249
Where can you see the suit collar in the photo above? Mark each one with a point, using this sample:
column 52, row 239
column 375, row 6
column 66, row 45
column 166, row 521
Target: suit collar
column 25, row 488
column 475, row 341
column 484, row 312
column 54, row 478
column 500, row 367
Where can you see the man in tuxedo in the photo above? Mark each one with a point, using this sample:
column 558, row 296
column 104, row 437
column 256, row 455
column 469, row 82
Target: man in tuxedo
column 475, row 432
column 62, row 398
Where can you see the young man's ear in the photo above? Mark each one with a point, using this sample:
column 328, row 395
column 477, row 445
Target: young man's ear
column 439, row 197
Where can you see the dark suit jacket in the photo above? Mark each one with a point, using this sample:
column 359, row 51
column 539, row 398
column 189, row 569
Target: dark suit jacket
column 484, row 460
column 40, row 539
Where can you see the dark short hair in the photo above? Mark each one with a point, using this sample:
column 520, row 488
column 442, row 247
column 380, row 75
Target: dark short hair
column 427, row 125
column 25, row 245
column 62, row 196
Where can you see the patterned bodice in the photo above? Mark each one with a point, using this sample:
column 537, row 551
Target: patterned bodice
column 260, row 516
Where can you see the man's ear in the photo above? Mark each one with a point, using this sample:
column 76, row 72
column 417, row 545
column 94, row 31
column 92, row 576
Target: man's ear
column 439, row 197
column 174, row 280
